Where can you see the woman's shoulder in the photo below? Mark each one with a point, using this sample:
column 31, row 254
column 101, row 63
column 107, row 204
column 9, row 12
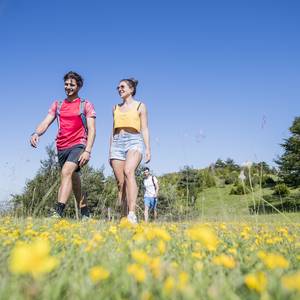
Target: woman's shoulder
column 117, row 105
column 141, row 106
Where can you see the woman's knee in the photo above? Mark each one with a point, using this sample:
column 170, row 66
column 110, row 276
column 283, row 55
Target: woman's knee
column 129, row 173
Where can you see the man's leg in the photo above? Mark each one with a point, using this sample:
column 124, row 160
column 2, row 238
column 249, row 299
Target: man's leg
column 65, row 186
column 80, row 198
column 155, row 209
column 146, row 213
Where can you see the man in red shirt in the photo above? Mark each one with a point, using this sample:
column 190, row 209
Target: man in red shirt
column 74, row 140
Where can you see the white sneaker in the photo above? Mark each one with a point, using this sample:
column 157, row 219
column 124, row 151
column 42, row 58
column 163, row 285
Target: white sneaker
column 132, row 217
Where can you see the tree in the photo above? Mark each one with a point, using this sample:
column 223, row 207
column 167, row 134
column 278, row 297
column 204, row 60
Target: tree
column 289, row 162
column 40, row 193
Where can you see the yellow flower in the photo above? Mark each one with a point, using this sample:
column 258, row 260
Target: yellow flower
column 94, row 243
column 183, row 279
column 256, row 281
column 245, row 232
column 223, row 226
column 161, row 247
column 232, row 251
column 61, row 225
column 291, row 282
column 137, row 272
column 97, row 237
column 169, row 285
column 113, row 229
column 140, row 257
column 32, row 258
column 205, row 235
column 44, row 235
column 139, row 237
column 125, row 224
column 162, row 234
column 98, row 274
column 224, row 260
column 60, row 238
column 155, row 266
column 197, row 255
column 30, row 233
column 77, row 240
column 272, row 260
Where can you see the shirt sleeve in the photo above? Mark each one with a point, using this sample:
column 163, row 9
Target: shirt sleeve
column 90, row 110
column 53, row 108
column 155, row 180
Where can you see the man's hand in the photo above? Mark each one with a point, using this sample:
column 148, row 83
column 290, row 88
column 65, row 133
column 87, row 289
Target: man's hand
column 84, row 158
column 34, row 139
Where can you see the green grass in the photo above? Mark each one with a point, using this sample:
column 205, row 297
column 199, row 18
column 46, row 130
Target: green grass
column 218, row 204
column 185, row 267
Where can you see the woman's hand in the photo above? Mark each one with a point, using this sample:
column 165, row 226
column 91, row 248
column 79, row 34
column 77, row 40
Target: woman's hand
column 147, row 155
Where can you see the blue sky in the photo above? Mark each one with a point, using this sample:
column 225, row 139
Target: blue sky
column 220, row 78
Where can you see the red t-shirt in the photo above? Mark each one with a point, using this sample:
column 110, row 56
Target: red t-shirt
column 71, row 130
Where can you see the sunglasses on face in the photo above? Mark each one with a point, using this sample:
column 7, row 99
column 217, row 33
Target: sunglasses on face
column 120, row 87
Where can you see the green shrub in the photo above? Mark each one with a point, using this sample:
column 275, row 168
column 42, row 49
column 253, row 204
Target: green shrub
column 231, row 177
column 268, row 181
column 238, row 189
column 281, row 189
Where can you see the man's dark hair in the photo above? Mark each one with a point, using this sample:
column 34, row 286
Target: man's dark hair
column 146, row 169
column 76, row 76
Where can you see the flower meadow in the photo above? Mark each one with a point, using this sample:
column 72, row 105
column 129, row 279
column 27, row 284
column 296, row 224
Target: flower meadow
column 65, row 259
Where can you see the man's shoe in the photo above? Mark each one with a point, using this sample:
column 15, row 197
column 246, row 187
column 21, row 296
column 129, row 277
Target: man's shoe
column 55, row 215
column 85, row 218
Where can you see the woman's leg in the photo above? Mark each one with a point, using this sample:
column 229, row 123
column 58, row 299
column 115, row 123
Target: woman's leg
column 118, row 168
column 133, row 159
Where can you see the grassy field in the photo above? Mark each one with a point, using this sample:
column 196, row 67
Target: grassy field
column 216, row 203
column 249, row 257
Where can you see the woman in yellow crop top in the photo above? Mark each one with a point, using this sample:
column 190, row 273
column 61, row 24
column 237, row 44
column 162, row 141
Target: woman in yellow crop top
column 130, row 136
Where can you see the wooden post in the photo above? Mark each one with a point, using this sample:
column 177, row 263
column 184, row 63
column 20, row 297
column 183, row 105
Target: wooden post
column 76, row 208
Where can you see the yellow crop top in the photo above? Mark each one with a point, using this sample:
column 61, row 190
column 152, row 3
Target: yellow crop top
column 130, row 118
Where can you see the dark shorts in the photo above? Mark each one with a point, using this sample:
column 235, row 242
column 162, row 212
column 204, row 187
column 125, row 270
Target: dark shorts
column 70, row 154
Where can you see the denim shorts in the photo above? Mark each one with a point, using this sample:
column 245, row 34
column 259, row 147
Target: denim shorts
column 151, row 202
column 123, row 142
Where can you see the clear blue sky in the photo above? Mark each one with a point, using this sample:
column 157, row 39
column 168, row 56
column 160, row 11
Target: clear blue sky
column 220, row 78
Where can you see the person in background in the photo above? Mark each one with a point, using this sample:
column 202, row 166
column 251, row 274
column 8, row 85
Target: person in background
column 151, row 193
column 74, row 140
column 129, row 139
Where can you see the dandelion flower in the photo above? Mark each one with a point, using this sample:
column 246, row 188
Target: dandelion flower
column 98, row 274
column 256, row 281
column 32, row 258
column 137, row 272
column 291, row 282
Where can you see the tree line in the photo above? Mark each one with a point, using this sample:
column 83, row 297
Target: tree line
column 179, row 191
